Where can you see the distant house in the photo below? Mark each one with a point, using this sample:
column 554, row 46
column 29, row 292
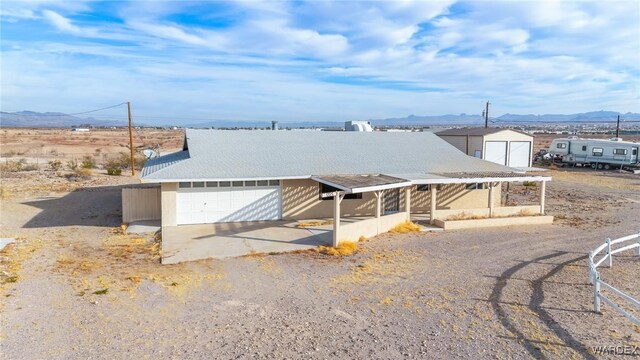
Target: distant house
column 502, row 146
column 79, row 130
column 246, row 176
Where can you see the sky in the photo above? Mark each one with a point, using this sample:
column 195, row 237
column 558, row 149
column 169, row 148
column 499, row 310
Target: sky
column 188, row 62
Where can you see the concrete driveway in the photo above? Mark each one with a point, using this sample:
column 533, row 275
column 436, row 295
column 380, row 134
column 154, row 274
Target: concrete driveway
column 194, row 242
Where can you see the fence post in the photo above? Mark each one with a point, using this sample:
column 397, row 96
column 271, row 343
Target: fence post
column 596, row 294
column 590, row 266
column 638, row 248
column 609, row 253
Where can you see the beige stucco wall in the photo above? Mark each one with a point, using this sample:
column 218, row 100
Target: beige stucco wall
column 168, row 200
column 300, row 200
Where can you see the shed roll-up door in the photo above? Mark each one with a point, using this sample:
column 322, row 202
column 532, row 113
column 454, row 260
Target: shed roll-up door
column 496, row 151
column 519, row 152
column 211, row 205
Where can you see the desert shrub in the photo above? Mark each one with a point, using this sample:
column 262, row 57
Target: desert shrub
column 13, row 165
column 55, row 165
column 529, row 183
column 72, row 165
column 87, row 162
column 345, row 248
column 114, row 171
column 83, row 173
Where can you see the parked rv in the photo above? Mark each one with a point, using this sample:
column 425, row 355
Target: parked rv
column 597, row 153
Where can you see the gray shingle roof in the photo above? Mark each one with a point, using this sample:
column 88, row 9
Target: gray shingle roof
column 476, row 131
column 255, row 154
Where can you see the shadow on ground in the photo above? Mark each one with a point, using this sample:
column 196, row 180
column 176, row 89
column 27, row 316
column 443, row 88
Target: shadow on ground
column 535, row 304
column 95, row 206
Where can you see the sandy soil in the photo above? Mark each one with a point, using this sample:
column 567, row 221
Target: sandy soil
column 73, row 286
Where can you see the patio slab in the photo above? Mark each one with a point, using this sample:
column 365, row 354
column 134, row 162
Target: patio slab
column 195, row 242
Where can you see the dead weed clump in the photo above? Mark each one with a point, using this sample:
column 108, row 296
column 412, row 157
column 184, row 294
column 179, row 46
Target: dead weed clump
column 405, row 227
column 314, row 223
column 345, row 248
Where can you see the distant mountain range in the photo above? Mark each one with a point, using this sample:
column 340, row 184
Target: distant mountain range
column 51, row 120
column 60, row 120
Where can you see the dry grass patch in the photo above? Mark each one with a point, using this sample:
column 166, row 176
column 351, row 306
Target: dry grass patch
column 13, row 257
column 124, row 262
column 382, row 267
column 314, row 223
column 345, row 248
column 406, row 227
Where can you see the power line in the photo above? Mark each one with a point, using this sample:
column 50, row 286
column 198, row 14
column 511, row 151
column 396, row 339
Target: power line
column 73, row 114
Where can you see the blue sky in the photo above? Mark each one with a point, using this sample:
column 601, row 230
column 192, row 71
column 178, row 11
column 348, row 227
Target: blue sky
column 321, row 60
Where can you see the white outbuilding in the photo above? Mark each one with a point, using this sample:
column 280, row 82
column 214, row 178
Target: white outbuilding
column 502, row 146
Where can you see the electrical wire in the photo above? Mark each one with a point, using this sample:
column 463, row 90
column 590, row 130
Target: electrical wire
column 78, row 113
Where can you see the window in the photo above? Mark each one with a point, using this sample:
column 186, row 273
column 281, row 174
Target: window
column 184, row 185
column 250, row 183
column 212, row 184
column 476, row 186
column 597, row 151
column 237, row 183
column 619, row 151
column 584, row 147
column 274, row 182
column 422, row 187
column 263, row 183
column 634, row 152
column 327, row 189
column 224, row 183
column 561, row 145
column 198, row 184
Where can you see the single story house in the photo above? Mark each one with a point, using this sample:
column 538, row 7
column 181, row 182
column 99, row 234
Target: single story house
column 383, row 178
column 502, row 146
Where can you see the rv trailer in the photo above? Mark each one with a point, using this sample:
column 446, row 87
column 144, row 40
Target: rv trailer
column 597, row 153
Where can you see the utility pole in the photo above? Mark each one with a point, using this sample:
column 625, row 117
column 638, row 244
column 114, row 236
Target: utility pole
column 486, row 115
column 618, row 128
column 133, row 164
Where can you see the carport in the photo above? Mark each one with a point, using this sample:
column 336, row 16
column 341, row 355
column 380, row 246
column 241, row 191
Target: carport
column 343, row 185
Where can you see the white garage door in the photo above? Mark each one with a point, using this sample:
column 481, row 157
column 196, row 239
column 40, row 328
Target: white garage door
column 519, row 153
column 203, row 203
column 496, row 151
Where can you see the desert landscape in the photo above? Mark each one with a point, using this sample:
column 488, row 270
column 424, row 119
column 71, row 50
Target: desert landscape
column 74, row 285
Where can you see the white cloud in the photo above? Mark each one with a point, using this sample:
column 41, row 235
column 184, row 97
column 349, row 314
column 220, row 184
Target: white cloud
column 60, row 22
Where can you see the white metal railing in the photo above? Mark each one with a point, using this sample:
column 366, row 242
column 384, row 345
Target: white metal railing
column 598, row 284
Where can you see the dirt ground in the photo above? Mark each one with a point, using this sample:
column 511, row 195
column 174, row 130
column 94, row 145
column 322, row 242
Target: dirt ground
column 74, row 286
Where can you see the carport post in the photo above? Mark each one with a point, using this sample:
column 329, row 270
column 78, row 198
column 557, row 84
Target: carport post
column 432, row 213
column 491, row 191
column 378, row 195
column 543, row 189
column 407, row 202
column 337, row 199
